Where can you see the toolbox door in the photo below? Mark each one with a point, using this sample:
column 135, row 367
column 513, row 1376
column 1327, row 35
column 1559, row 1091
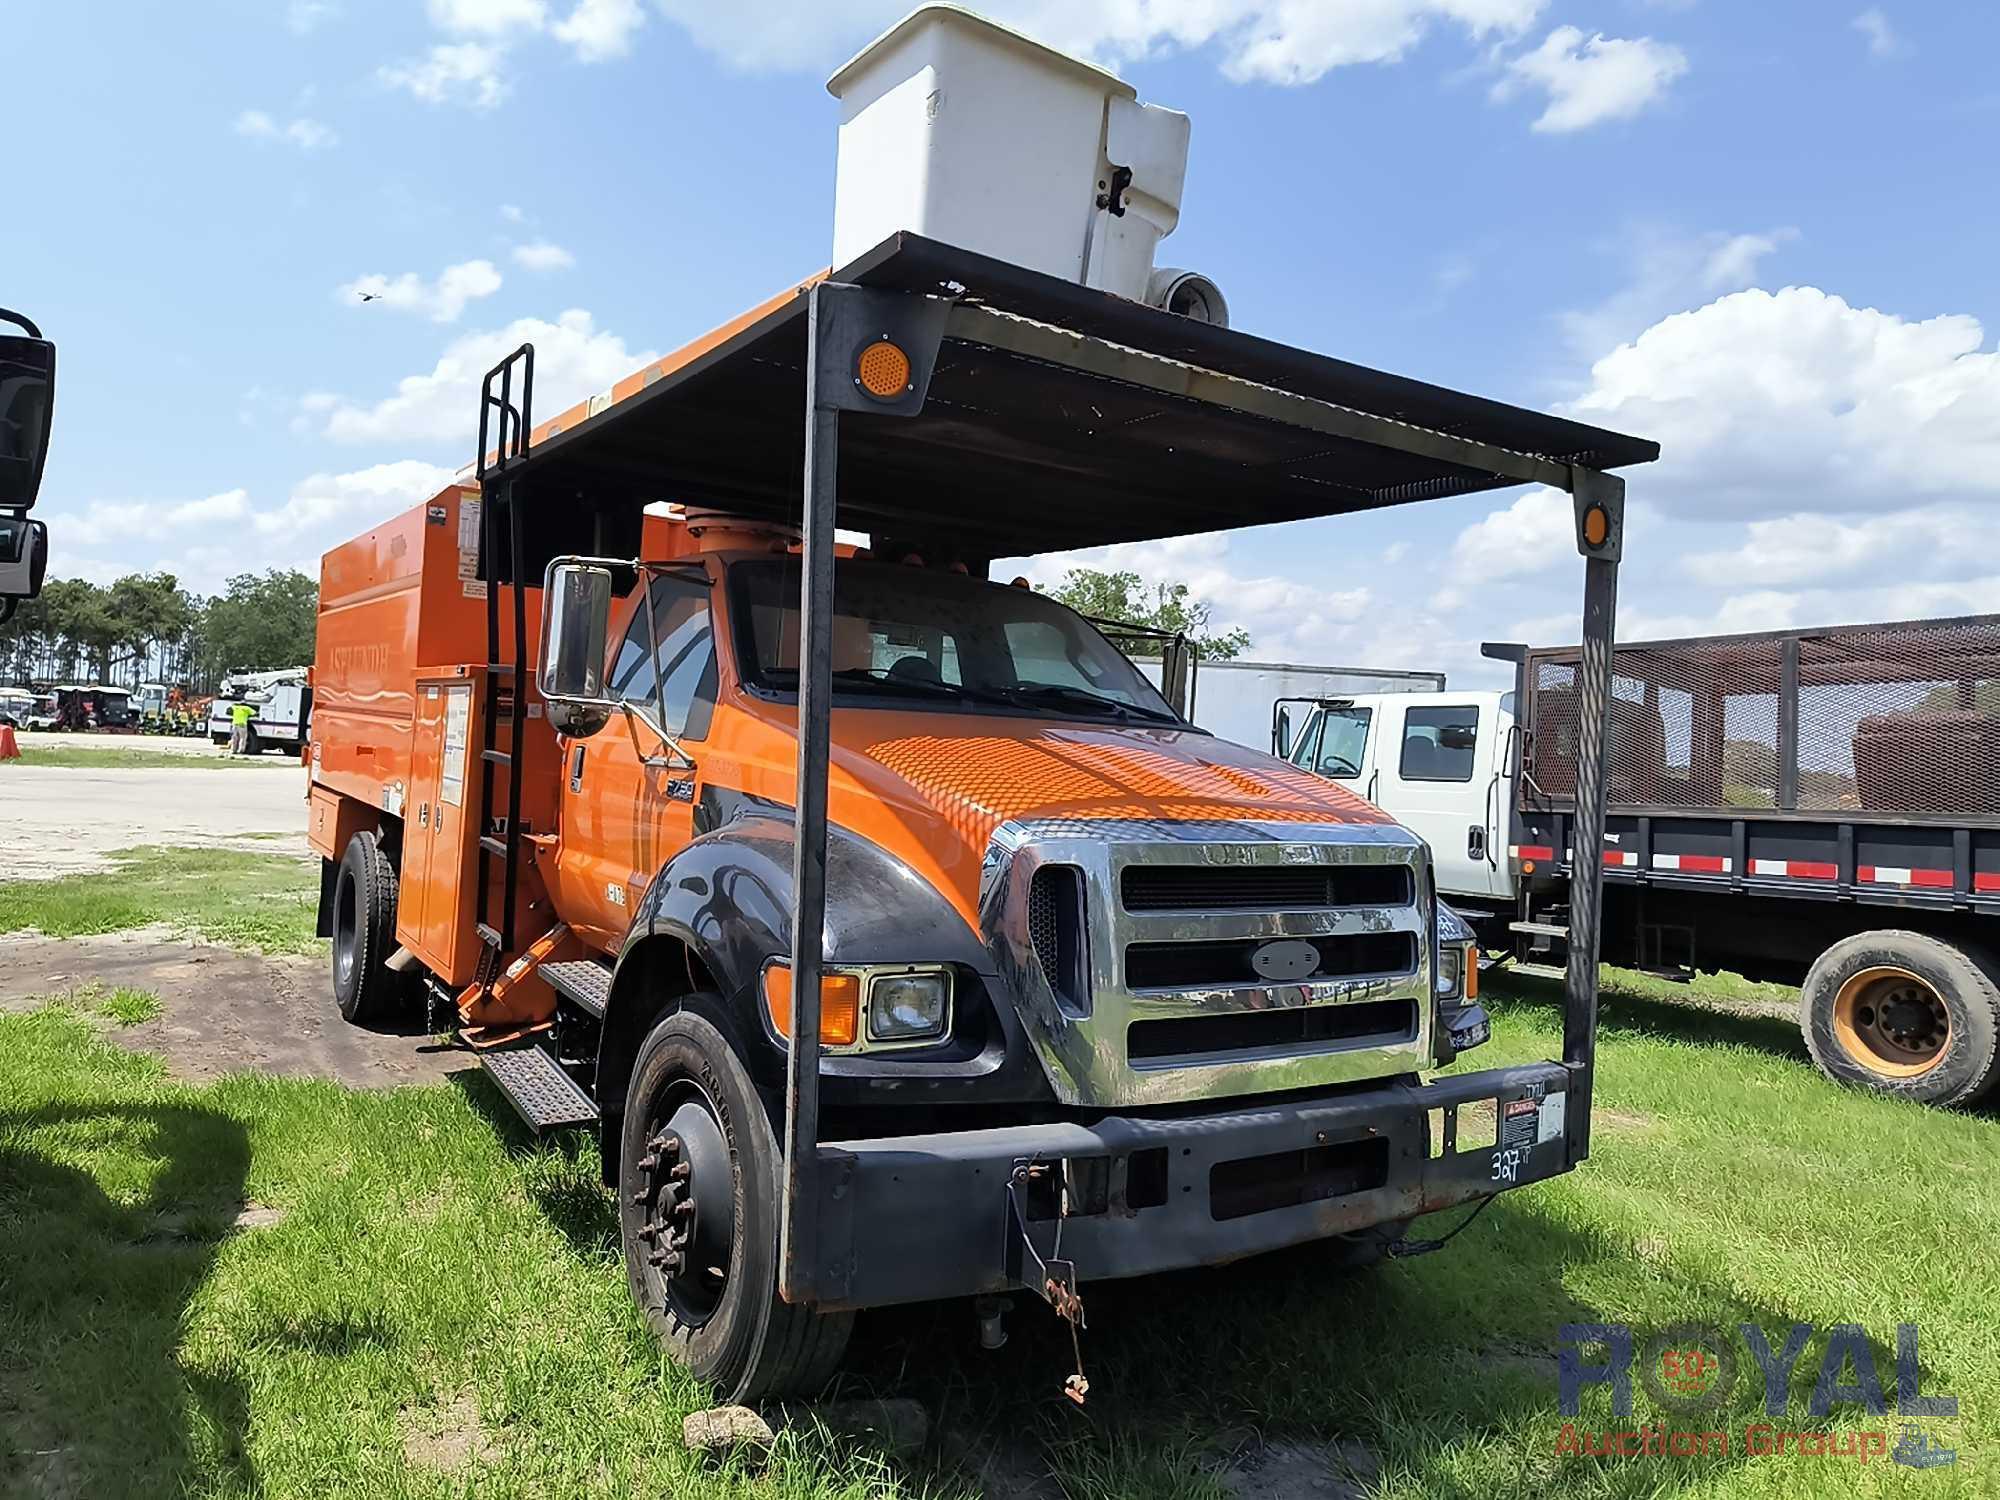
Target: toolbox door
column 433, row 915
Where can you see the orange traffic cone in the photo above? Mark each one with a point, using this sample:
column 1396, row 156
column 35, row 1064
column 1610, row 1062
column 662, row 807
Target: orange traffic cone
column 8, row 749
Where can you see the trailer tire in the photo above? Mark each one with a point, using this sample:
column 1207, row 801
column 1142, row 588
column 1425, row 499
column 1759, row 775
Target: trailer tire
column 1853, row 1042
column 364, row 931
column 735, row 1332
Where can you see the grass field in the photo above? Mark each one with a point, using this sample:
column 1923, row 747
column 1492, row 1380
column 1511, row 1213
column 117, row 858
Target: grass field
column 262, row 901
column 439, row 1308
column 106, row 758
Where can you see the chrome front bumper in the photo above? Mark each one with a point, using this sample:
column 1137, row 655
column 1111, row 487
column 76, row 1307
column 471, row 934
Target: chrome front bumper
column 1083, row 1043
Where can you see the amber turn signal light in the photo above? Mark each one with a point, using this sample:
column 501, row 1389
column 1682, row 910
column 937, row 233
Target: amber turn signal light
column 883, row 371
column 1471, row 974
column 839, row 1005
column 1596, row 525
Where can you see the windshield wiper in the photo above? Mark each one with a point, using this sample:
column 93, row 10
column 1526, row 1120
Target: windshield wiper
column 1063, row 692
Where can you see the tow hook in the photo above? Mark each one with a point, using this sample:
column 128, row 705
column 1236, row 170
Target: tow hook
column 1050, row 1277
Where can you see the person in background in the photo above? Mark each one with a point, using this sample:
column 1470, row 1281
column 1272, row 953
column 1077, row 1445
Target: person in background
column 240, row 715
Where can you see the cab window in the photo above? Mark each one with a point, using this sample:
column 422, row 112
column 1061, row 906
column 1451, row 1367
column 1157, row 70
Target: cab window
column 685, row 661
column 1438, row 743
column 1339, row 743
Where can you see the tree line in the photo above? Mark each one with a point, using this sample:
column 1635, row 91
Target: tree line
column 145, row 627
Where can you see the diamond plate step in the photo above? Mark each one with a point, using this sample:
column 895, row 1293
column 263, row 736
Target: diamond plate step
column 1541, row 929
column 585, row 983
column 536, row 1085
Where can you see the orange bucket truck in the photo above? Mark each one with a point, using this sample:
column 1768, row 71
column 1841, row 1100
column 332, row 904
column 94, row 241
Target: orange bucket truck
column 896, row 937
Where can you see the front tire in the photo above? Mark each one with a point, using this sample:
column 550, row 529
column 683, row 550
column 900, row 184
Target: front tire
column 1907, row 1014
column 699, row 1179
column 364, row 931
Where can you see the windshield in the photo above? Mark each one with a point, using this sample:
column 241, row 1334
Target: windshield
column 1335, row 745
column 916, row 636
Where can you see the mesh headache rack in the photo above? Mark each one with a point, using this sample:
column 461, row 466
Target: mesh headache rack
column 1032, row 415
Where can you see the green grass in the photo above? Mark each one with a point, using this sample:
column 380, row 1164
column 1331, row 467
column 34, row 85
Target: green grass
column 263, row 901
column 432, row 1261
column 106, row 758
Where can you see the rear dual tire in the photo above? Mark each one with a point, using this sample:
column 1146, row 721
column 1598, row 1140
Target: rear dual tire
column 1906, row 1014
column 364, row 932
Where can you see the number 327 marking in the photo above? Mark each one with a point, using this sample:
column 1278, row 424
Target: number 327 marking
column 1507, row 1164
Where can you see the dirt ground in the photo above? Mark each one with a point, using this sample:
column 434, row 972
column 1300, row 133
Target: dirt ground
column 62, row 820
column 223, row 1011
column 172, row 745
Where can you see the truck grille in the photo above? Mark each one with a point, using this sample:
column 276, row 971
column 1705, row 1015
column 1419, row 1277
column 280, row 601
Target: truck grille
column 1055, row 928
column 1262, row 887
column 1176, row 966
column 1265, row 1030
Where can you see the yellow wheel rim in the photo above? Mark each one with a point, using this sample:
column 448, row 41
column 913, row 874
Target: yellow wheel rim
column 1892, row 1022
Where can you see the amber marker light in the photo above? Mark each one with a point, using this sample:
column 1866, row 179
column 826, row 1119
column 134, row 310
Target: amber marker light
column 883, row 371
column 839, row 1005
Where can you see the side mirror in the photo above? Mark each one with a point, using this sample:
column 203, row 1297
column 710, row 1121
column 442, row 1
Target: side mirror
column 27, row 407
column 24, row 560
column 1510, row 765
column 576, row 619
column 1281, row 734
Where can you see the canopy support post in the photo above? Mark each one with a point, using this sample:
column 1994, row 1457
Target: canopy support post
column 1600, row 534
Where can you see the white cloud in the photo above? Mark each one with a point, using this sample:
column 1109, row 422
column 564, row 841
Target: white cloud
column 1592, row 79
column 1525, row 537
column 305, row 16
column 1768, row 403
column 541, row 255
column 573, row 359
column 600, row 29
column 358, row 498
column 440, row 300
column 1808, row 546
column 465, row 73
column 1270, row 41
column 1668, row 272
column 487, row 17
column 306, row 134
column 1882, row 39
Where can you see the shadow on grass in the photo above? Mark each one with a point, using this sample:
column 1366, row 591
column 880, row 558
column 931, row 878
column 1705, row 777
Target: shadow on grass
column 1695, row 1020
column 94, row 1399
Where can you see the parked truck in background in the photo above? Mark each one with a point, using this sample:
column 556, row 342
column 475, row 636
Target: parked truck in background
column 1238, row 700
column 1814, row 807
column 283, row 700
column 897, row 938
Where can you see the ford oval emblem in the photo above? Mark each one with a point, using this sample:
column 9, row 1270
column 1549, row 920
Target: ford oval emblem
column 1286, row 961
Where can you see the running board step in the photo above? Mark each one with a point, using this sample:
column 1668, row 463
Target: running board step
column 536, row 1085
column 1540, row 971
column 1541, row 929
column 586, row 984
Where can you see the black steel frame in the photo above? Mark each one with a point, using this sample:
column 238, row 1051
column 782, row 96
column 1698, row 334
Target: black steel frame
column 840, row 319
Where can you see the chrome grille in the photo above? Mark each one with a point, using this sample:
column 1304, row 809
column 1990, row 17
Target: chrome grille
column 1110, row 931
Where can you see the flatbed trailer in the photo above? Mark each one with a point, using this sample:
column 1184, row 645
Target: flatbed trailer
column 1817, row 807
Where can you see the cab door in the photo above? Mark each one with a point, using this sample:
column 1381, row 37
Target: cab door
column 1435, row 775
column 625, row 809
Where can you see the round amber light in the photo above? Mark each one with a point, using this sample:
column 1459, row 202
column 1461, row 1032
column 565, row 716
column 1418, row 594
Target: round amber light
column 1596, row 525
column 883, row 370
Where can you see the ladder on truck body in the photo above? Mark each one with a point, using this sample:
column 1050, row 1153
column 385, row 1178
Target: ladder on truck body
column 505, row 423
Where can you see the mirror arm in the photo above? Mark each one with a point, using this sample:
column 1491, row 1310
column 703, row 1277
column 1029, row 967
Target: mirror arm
column 677, row 760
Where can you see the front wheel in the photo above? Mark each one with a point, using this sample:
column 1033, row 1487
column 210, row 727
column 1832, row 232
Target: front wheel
column 1905, row 1013
column 698, row 1192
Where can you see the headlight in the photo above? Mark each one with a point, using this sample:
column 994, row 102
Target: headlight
column 909, row 1005
column 1451, row 959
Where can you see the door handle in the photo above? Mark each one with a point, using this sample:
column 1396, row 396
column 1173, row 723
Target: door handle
column 576, row 769
column 1475, row 842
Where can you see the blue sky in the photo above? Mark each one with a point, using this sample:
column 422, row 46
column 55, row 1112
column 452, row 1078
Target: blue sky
column 1764, row 235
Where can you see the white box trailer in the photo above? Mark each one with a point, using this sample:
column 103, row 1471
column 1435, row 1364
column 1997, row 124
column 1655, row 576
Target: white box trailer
column 1253, row 703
